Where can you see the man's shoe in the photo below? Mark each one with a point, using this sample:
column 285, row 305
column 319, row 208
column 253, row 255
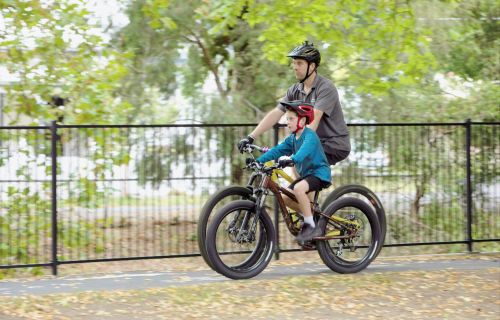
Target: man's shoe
column 308, row 233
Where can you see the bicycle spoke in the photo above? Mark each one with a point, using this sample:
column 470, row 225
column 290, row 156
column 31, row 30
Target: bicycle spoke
column 354, row 248
column 359, row 236
column 236, row 240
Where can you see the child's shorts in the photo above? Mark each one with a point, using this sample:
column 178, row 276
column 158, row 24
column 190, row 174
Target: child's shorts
column 315, row 184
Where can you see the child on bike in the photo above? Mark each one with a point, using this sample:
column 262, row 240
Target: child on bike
column 303, row 149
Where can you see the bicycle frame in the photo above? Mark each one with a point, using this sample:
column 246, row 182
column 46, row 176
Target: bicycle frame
column 276, row 174
column 269, row 184
column 244, row 227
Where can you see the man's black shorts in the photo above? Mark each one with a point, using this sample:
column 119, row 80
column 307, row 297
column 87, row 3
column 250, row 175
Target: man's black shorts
column 336, row 156
column 315, row 184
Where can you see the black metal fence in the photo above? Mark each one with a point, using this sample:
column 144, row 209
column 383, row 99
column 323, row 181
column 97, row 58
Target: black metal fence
column 72, row 194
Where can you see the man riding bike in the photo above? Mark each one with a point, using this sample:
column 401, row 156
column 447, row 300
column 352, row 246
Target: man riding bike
column 318, row 91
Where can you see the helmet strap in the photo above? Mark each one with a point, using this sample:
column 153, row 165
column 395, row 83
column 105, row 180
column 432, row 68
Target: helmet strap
column 299, row 127
column 307, row 72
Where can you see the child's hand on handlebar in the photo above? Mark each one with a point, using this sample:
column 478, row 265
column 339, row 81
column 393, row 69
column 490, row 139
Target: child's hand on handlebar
column 285, row 161
column 252, row 163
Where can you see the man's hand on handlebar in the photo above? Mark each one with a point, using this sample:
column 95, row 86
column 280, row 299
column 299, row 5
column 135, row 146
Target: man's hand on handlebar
column 244, row 143
column 249, row 148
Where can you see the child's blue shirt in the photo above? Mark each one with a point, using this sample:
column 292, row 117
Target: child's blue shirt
column 306, row 152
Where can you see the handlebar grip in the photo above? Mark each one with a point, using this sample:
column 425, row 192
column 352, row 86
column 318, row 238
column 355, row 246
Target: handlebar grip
column 261, row 149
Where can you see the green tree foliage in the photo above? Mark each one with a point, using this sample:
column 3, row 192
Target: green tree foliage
column 471, row 56
column 470, row 48
column 53, row 49
column 416, row 61
column 174, row 49
column 240, row 47
column 383, row 54
column 463, row 83
column 369, row 45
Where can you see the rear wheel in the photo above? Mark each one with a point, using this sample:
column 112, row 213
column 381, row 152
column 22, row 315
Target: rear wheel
column 365, row 194
column 240, row 244
column 355, row 253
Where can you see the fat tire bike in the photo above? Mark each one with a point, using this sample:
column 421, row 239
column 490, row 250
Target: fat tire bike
column 238, row 192
column 241, row 238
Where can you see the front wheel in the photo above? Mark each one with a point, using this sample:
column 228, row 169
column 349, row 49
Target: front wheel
column 215, row 202
column 355, row 253
column 240, row 242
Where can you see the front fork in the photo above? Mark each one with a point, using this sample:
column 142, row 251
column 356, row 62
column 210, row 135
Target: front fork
column 259, row 204
column 244, row 233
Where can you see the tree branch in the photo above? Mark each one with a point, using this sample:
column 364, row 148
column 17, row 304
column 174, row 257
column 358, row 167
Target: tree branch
column 208, row 61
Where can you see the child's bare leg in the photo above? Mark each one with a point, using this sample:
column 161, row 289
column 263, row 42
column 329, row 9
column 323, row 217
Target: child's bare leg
column 290, row 203
column 309, row 230
column 300, row 191
column 294, row 205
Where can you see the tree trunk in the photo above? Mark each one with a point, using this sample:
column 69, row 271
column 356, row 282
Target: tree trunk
column 415, row 205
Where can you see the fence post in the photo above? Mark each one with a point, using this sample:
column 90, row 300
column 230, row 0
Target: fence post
column 469, row 183
column 53, row 154
column 276, row 207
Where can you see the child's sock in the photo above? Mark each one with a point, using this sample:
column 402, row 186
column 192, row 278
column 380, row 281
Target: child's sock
column 309, row 220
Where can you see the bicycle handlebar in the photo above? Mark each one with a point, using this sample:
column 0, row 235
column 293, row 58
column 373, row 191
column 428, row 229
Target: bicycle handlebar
column 253, row 164
column 249, row 148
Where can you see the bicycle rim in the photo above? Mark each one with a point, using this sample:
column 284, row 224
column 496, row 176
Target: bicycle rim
column 368, row 196
column 213, row 204
column 240, row 243
column 353, row 254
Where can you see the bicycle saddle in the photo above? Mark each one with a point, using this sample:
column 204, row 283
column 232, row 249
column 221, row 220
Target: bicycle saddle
column 295, row 103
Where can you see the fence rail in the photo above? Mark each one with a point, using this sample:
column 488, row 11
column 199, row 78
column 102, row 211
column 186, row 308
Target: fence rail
column 74, row 194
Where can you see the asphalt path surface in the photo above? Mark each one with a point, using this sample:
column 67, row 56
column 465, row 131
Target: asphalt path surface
column 152, row 279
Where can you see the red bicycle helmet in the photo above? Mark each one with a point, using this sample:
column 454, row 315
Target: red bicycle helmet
column 303, row 110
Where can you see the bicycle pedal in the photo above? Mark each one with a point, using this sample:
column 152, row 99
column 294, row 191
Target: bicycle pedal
column 307, row 246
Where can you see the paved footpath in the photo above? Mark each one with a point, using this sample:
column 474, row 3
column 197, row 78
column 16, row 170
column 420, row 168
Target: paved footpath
column 144, row 280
